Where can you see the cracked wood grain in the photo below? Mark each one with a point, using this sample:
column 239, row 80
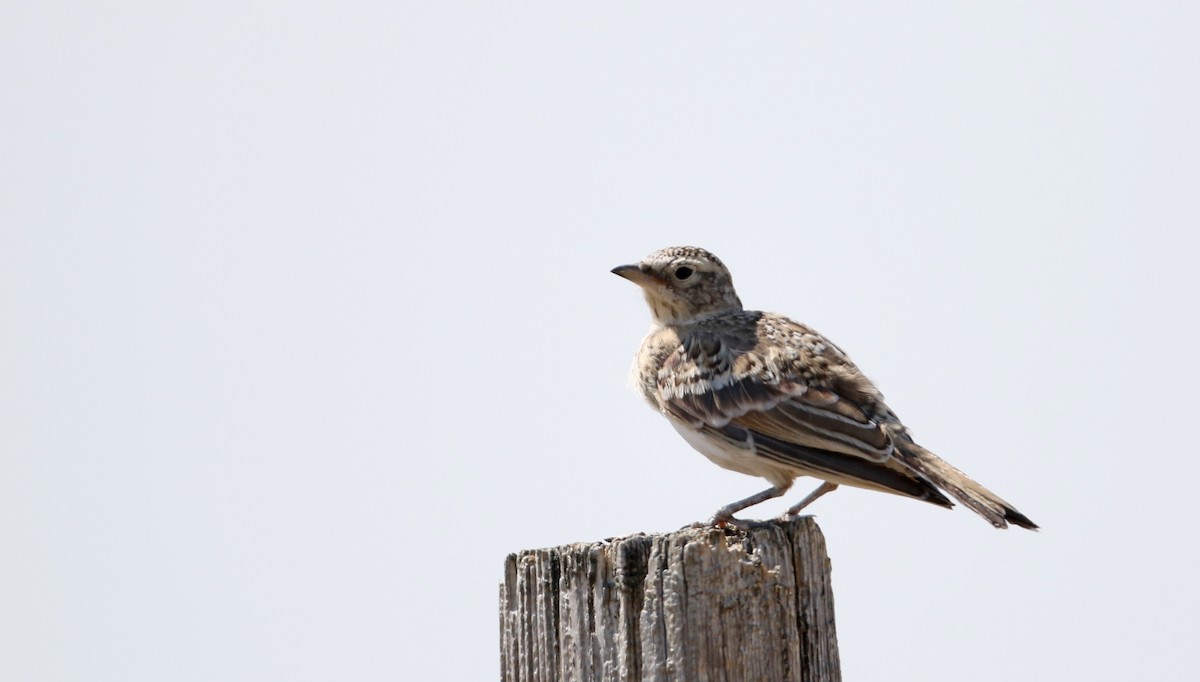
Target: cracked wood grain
column 694, row 605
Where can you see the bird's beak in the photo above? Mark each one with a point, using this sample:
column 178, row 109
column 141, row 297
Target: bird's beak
column 636, row 275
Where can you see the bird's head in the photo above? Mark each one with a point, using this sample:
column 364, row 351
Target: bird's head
column 683, row 283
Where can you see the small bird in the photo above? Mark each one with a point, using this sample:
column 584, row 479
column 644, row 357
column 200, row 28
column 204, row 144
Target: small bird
column 766, row 396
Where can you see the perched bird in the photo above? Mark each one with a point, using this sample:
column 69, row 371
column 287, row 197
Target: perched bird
column 762, row 395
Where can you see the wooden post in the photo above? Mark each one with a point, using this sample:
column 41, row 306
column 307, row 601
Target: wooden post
column 697, row 604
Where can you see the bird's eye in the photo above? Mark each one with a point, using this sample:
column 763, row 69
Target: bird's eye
column 683, row 273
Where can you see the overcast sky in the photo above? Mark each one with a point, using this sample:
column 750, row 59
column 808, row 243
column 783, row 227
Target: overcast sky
column 306, row 318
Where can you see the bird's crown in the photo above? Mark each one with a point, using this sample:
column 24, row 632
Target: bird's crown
column 683, row 283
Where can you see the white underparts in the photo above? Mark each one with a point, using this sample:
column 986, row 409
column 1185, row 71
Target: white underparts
column 735, row 456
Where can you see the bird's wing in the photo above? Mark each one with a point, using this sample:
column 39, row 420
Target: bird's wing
column 791, row 392
column 802, row 404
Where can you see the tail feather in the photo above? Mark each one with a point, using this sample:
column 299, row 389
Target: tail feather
column 962, row 487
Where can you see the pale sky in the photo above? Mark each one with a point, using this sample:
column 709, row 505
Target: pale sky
column 306, row 318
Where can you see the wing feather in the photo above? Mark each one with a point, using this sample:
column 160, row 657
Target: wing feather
column 708, row 381
column 891, row 476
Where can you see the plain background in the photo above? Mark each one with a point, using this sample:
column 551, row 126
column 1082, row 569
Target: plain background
column 306, row 318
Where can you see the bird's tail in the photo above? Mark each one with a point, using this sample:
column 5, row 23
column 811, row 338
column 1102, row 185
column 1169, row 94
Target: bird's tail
column 962, row 487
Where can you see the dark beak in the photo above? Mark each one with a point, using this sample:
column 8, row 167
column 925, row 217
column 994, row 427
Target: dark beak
column 636, row 275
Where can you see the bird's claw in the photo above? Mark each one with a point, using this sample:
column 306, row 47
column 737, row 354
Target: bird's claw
column 718, row 521
column 722, row 522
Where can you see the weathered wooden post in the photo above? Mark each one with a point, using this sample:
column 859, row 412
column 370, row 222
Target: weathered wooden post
column 698, row 604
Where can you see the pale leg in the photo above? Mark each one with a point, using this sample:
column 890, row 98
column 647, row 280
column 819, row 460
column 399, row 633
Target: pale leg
column 725, row 514
column 825, row 487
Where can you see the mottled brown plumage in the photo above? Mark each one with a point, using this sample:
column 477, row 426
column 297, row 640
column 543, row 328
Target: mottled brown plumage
column 766, row 396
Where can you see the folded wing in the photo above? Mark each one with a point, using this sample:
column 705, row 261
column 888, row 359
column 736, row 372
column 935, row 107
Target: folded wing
column 788, row 409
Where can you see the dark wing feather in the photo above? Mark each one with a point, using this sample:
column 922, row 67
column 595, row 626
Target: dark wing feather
column 710, row 381
column 890, row 477
column 792, row 403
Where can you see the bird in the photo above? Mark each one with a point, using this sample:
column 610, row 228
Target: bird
column 763, row 395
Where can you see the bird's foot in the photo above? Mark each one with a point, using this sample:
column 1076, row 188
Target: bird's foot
column 718, row 521
column 714, row 522
column 723, row 522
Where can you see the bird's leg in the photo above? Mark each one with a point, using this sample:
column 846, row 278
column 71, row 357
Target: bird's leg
column 724, row 515
column 825, row 487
